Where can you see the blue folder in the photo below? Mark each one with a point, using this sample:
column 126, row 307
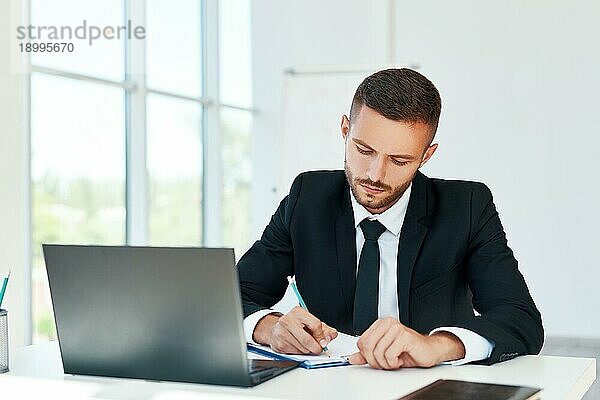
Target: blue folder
column 307, row 364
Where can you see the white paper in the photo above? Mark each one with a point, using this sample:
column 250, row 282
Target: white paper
column 338, row 351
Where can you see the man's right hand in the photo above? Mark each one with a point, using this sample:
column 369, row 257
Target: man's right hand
column 297, row 332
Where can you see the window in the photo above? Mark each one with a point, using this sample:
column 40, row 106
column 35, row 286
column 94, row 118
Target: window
column 77, row 174
column 174, row 160
column 141, row 144
column 235, row 122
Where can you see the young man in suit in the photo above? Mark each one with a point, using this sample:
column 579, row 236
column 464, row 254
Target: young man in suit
column 382, row 251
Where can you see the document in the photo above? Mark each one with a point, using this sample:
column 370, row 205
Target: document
column 337, row 355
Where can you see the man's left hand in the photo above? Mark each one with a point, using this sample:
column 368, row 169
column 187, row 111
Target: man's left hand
column 387, row 344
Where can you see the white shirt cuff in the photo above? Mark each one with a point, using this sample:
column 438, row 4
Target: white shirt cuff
column 250, row 323
column 476, row 346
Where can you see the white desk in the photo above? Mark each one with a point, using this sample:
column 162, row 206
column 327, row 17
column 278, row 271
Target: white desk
column 36, row 372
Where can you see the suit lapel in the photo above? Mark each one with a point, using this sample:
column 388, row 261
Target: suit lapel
column 345, row 238
column 414, row 230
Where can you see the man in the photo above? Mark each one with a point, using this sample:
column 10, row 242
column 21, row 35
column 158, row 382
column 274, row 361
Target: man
column 382, row 251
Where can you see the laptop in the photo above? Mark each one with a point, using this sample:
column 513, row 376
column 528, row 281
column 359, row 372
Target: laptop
column 156, row 313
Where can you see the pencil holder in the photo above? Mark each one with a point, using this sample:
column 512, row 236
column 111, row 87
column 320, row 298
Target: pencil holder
column 3, row 341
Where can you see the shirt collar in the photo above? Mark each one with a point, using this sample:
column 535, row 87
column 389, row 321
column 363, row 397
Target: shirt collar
column 392, row 218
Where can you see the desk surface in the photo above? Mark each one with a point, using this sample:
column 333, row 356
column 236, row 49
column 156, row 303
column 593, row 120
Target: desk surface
column 36, row 372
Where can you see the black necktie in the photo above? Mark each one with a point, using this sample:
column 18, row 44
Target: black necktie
column 367, row 281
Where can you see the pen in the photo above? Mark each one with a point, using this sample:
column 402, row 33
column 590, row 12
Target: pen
column 292, row 282
column 4, row 288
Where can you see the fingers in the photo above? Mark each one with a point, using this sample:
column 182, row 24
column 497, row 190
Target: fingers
column 383, row 343
column 329, row 332
column 386, row 359
column 305, row 338
column 286, row 343
column 320, row 331
column 388, row 344
column 357, row 359
column 305, row 328
column 370, row 339
column 299, row 332
column 309, row 321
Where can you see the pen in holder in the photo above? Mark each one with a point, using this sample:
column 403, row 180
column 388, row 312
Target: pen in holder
column 3, row 341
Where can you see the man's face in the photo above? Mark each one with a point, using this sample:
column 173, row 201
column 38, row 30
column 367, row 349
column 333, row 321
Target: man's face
column 382, row 157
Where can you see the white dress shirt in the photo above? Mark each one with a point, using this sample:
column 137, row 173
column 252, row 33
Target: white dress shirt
column 476, row 346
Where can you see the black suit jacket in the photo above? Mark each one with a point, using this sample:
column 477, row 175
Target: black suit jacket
column 453, row 257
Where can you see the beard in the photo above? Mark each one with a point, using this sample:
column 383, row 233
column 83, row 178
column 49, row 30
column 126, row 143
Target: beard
column 380, row 202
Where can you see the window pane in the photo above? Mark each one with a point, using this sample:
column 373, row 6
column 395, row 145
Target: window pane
column 173, row 46
column 234, row 52
column 175, row 171
column 104, row 58
column 237, row 175
column 77, row 172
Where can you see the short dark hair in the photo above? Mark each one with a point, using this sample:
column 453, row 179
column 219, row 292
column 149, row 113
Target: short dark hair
column 400, row 94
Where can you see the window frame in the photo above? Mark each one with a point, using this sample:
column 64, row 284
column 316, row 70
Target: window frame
column 135, row 91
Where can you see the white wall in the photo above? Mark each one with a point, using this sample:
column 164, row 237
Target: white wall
column 520, row 87
column 297, row 33
column 14, row 179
